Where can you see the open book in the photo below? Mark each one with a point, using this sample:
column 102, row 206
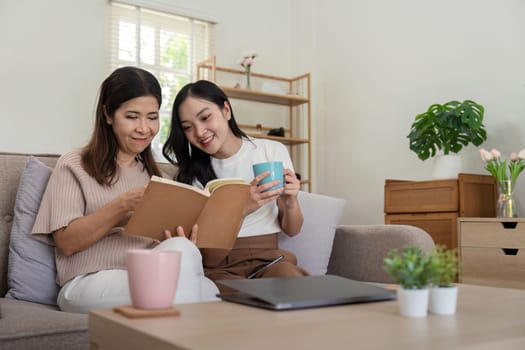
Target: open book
column 218, row 210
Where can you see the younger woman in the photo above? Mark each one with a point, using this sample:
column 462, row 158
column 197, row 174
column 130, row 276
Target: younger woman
column 206, row 143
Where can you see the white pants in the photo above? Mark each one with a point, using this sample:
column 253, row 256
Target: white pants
column 109, row 288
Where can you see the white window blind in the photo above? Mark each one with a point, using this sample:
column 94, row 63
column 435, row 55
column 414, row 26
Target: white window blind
column 167, row 45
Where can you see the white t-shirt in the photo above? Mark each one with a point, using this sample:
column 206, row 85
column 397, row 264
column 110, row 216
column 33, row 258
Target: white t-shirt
column 265, row 219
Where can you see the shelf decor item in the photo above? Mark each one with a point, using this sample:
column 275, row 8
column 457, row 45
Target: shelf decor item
column 506, row 204
column 443, row 130
column 443, row 273
column 410, row 268
column 246, row 61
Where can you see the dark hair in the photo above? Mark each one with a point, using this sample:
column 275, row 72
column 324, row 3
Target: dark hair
column 99, row 156
column 194, row 163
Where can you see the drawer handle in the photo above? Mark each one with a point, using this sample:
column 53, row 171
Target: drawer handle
column 510, row 224
column 510, row 251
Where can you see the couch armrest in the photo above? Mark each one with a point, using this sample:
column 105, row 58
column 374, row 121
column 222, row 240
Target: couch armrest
column 358, row 250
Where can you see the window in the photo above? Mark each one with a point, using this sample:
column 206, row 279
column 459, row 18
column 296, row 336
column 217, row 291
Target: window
column 167, row 45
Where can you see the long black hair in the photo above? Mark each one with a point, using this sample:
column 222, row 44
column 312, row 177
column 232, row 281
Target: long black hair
column 193, row 163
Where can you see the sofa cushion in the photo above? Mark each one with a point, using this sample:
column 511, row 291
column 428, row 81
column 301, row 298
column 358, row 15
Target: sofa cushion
column 313, row 245
column 27, row 325
column 31, row 267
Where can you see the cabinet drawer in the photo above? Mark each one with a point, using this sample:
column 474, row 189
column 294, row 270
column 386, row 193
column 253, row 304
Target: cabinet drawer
column 492, row 234
column 421, row 196
column 442, row 227
column 492, row 267
column 471, row 195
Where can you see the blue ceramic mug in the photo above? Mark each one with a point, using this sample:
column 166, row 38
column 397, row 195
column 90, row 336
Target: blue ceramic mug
column 276, row 173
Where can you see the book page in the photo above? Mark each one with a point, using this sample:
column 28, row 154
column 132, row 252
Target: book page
column 213, row 184
column 180, row 184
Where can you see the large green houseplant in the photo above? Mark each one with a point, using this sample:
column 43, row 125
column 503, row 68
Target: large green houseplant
column 447, row 128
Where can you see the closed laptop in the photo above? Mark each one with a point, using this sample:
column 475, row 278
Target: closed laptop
column 288, row 293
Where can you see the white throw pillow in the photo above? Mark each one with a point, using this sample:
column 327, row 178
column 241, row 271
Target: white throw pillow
column 313, row 244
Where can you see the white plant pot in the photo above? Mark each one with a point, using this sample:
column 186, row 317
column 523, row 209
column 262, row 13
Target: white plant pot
column 443, row 300
column 446, row 166
column 412, row 302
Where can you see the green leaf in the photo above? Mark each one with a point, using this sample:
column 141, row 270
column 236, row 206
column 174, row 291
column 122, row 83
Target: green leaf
column 448, row 127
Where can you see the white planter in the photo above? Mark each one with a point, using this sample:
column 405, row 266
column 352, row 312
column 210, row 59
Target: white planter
column 446, row 166
column 412, row 302
column 443, row 300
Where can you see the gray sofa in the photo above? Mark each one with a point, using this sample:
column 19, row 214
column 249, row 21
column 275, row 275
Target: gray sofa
column 351, row 251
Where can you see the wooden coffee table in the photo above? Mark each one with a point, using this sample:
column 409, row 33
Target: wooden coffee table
column 487, row 318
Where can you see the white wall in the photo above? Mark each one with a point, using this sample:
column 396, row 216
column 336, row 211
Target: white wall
column 378, row 63
column 51, row 67
column 56, row 57
column 375, row 64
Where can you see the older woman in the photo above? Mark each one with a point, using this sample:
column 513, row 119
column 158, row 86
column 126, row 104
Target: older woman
column 93, row 190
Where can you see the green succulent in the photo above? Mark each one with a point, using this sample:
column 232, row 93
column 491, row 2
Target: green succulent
column 448, row 127
column 443, row 266
column 409, row 267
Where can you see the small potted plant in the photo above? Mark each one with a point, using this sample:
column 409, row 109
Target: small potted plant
column 443, row 264
column 446, row 129
column 410, row 269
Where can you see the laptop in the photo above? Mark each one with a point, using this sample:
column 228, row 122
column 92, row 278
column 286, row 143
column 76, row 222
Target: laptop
column 290, row 293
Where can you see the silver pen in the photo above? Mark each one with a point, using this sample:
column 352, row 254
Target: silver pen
column 262, row 268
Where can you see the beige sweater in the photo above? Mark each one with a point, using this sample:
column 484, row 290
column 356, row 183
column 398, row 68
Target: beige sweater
column 72, row 193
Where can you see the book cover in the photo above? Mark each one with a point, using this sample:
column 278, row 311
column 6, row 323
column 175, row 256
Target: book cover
column 218, row 210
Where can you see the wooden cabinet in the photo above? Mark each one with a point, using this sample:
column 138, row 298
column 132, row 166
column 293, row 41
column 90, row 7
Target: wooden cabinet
column 492, row 251
column 293, row 94
column 435, row 205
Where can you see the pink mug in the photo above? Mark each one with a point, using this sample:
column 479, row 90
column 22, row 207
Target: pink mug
column 152, row 277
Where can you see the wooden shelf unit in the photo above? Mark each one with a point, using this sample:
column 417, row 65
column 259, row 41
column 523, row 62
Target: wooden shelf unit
column 298, row 95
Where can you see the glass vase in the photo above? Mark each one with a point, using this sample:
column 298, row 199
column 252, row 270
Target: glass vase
column 507, row 206
column 248, row 84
